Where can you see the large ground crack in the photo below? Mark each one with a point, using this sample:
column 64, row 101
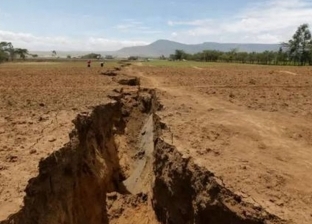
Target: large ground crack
column 117, row 169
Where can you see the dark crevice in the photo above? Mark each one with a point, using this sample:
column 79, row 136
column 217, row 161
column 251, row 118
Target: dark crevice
column 116, row 155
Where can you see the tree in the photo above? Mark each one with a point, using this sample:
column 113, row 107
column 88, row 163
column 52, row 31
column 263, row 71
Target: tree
column 179, row 55
column 242, row 57
column 68, row 56
column 3, row 56
column 233, row 54
column 53, row 53
column 8, row 47
column 7, row 51
column 299, row 46
column 21, row 52
column 252, row 57
column 281, row 56
column 133, row 58
column 162, row 57
column 91, row 56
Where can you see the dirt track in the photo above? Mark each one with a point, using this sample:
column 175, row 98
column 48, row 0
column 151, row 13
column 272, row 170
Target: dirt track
column 249, row 125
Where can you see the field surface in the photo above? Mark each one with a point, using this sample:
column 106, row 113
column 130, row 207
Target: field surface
column 249, row 125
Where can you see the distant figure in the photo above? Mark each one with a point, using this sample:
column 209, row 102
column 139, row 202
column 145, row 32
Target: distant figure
column 102, row 64
column 89, row 64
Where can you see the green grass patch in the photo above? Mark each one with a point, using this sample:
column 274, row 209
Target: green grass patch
column 185, row 64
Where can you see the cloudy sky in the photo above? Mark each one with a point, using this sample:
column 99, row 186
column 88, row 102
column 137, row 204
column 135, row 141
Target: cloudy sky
column 110, row 25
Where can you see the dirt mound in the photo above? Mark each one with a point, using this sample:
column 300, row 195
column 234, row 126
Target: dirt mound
column 127, row 80
column 111, row 72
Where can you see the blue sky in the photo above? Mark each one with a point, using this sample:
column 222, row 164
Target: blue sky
column 110, row 25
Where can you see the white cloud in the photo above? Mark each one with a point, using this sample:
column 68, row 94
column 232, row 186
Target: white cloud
column 130, row 24
column 271, row 21
column 112, row 44
column 32, row 42
column 202, row 22
column 133, row 26
column 267, row 22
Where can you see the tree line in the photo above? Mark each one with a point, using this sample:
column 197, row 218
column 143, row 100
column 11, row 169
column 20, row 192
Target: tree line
column 297, row 51
column 8, row 52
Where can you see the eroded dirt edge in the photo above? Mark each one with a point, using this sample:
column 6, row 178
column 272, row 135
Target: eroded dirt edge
column 118, row 169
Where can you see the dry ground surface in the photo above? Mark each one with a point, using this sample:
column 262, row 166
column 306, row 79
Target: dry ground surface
column 250, row 125
column 38, row 102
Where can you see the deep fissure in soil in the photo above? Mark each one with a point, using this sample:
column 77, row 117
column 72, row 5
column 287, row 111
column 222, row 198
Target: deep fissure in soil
column 116, row 162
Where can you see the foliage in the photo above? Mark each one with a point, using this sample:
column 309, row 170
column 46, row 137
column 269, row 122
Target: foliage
column 109, row 57
column 8, row 52
column 133, row 58
column 21, row 52
column 180, row 55
column 234, row 56
column 8, row 48
column 300, row 46
column 91, row 56
column 298, row 51
column 3, row 56
column 162, row 57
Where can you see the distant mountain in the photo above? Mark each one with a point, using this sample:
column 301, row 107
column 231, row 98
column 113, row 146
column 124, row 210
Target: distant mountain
column 166, row 47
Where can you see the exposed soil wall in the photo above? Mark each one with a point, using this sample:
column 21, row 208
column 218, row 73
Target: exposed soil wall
column 72, row 183
column 116, row 168
column 186, row 193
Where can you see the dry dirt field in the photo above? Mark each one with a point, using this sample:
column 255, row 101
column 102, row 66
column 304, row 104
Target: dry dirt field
column 251, row 126
column 37, row 105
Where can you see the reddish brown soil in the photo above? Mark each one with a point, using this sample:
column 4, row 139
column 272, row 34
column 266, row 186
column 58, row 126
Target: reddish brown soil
column 37, row 105
column 249, row 125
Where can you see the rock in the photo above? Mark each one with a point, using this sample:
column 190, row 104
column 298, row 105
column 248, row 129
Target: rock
column 43, row 118
column 41, row 104
column 109, row 73
column 33, row 151
column 115, row 96
column 120, row 90
column 3, row 167
column 128, row 80
column 52, row 140
column 11, row 158
column 238, row 198
column 252, row 82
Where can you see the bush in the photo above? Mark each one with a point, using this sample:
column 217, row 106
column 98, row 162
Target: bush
column 3, row 56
